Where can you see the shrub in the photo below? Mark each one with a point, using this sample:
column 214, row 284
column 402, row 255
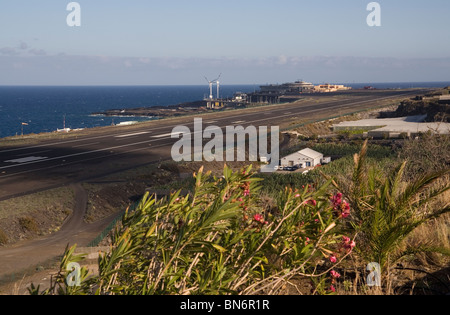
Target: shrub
column 3, row 238
column 217, row 240
column 387, row 209
column 29, row 224
column 429, row 153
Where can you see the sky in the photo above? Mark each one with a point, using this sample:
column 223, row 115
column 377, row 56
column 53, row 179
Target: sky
column 175, row 42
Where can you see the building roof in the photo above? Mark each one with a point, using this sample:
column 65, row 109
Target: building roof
column 308, row 153
column 311, row 153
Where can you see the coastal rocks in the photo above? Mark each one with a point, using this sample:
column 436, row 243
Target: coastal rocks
column 157, row 111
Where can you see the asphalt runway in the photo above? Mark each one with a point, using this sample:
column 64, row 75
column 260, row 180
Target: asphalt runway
column 49, row 164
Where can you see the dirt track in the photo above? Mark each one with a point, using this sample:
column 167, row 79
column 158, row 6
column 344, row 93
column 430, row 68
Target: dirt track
column 27, row 255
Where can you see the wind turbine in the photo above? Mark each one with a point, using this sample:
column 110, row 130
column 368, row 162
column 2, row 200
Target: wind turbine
column 211, row 83
column 218, row 85
column 210, row 88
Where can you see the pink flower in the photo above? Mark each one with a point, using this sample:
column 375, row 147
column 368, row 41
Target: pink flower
column 341, row 207
column 348, row 244
column 335, row 275
column 312, row 202
column 336, row 200
column 332, row 288
column 345, row 208
column 333, row 259
column 297, row 196
column 259, row 218
column 246, row 192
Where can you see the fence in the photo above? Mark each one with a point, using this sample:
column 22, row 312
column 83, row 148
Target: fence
column 111, row 226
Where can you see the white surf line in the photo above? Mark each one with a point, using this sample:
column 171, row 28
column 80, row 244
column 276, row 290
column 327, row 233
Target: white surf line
column 76, row 154
column 132, row 134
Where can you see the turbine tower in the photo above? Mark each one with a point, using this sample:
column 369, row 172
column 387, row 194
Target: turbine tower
column 210, row 88
column 211, row 83
column 218, row 85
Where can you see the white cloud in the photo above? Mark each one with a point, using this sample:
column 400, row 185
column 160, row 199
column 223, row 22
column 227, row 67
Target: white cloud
column 8, row 51
column 128, row 63
column 37, row 67
column 23, row 46
column 37, row 52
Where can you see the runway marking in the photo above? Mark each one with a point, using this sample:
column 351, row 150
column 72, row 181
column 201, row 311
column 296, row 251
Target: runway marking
column 163, row 136
column 132, row 134
column 34, row 153
column 224, row 118
column 76, row 154
column 77, row 162
column 27, row 159
column 85, row 145
column 69, row 141
column 239, row 122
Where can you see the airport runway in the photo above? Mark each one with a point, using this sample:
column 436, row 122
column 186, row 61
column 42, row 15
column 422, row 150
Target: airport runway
column 50, row 164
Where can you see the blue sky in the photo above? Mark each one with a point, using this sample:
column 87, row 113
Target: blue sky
column 249, row 41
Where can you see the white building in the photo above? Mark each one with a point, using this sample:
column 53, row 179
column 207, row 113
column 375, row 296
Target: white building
column 304, row 158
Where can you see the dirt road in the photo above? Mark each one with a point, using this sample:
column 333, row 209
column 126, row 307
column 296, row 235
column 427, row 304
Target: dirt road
column 23, row 257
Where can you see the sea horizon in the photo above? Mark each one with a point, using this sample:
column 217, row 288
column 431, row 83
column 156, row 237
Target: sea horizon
column 230, row 84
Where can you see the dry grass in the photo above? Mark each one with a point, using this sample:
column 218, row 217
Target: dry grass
column 39, row 213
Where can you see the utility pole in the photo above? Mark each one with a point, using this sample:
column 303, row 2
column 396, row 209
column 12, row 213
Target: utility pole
column 23, row 124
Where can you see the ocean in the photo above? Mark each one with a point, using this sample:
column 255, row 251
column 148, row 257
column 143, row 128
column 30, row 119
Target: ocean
column 45, row 109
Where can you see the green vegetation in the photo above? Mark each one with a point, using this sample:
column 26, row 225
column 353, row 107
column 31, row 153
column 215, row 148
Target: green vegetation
column 247, row 233
column 349, row 149
column 29, row 224
column 3, row 238
column 217, row 241
column 386, row 210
